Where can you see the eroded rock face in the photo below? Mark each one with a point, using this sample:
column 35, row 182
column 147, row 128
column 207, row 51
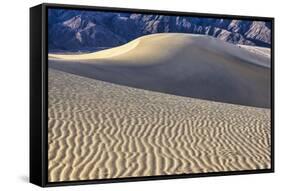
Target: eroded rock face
column 88, row 30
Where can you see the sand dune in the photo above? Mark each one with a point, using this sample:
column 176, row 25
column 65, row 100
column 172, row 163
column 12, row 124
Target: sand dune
column 266, row 52
column 100, row 130
column 180, row 64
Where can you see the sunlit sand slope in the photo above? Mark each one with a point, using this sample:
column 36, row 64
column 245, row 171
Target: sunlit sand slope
column 99, row 130
column 180, row 64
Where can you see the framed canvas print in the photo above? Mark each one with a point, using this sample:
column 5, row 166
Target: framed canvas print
column 127, row 95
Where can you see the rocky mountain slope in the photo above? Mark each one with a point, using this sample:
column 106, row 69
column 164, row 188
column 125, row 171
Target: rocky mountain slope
column 73, row 30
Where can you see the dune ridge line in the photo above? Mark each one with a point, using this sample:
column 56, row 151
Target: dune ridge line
column 188, row 65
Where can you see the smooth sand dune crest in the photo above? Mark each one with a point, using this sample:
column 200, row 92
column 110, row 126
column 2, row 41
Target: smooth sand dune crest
column 149, row 45
column 180, row 64
column 108, row 53
column 100, row 130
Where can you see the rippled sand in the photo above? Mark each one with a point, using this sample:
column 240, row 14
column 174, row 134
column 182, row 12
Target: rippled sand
column 102, row 130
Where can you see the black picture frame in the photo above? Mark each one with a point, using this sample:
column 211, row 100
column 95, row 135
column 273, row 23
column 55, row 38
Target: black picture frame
column 39, row 90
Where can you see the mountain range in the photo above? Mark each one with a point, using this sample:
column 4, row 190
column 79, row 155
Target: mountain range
column 76, row 30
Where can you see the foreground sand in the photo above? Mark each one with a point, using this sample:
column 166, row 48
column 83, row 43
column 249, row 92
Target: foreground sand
column 189, row 65
column 101, row 130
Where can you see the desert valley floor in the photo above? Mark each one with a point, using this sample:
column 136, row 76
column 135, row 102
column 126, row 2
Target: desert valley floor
column 101, row 130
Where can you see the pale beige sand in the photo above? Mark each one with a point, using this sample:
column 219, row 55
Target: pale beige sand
column 180, row 64
column 153, row 44
column 266, row 52
column 101, row 130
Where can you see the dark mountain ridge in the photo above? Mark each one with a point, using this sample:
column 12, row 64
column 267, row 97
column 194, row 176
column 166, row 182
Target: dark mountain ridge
column 71, row 30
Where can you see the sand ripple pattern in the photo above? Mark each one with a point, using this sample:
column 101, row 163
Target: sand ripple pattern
column 100, row 130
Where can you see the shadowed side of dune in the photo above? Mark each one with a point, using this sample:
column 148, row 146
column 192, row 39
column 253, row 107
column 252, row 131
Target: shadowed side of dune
column 180, row 64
